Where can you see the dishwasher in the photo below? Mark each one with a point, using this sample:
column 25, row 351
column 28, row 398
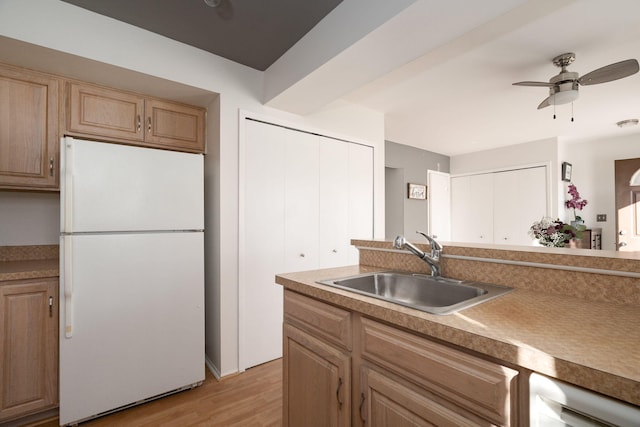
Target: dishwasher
column 556, row 404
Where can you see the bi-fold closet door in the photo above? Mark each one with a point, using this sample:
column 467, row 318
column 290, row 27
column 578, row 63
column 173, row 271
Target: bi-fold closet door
column 303, row 198
column 498, row 207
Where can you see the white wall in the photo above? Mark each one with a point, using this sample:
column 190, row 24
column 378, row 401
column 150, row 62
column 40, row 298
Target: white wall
column 29, row 218
column 62, row 27
column 593, row 174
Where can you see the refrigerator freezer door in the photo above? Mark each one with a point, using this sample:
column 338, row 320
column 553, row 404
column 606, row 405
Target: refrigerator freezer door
column 110, row 187
column 138, row 320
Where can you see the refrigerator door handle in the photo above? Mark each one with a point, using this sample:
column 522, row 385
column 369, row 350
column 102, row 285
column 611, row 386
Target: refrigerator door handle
column 68, row 185
column 68, row 287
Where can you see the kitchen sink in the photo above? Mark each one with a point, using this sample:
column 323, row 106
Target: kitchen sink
column 436, row 295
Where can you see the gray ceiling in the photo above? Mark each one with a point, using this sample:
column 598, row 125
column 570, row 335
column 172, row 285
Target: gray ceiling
column 254, row 33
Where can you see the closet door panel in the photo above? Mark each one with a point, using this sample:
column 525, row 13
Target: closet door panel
column 334, row 240
column 360, row 195
column 264, row 216
column 301, row 188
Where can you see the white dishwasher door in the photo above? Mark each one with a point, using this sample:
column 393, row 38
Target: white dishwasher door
column 557, row 404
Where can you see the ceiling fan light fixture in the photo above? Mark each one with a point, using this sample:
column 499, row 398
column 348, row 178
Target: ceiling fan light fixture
column 563, row 97
column 627, row 123
column 213, row 3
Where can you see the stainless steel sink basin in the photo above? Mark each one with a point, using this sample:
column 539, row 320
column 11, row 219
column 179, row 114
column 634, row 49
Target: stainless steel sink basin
column 436, row 295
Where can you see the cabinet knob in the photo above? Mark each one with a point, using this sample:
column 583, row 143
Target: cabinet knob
column 622, row 244
column 149, row 124
column 301, row 255
column 51, row 166
column 622, row 232
column 506, row 238
column 335, row 251
column 139, row 123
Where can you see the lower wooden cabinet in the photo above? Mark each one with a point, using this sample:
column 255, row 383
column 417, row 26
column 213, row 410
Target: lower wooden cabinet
column 317, row 382
column 29, row 347
column 380, row 375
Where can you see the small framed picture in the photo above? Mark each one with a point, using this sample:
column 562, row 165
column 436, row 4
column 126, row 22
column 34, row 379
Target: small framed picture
column 417, row 191
column 566, row 171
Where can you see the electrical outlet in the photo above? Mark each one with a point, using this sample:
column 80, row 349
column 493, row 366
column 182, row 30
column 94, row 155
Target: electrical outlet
column 601, row 217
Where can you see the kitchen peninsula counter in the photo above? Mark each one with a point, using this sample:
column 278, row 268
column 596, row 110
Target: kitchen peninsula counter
column 592, row 344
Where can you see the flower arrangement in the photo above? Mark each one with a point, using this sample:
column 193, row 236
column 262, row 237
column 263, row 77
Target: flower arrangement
column 555, row 233
column 575, row 202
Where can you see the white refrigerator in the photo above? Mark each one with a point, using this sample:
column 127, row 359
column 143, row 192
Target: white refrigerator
column 131, row 275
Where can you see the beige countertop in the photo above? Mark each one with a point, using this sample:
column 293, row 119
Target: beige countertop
column 29, row 269
column 28, row 262
column 595, row 345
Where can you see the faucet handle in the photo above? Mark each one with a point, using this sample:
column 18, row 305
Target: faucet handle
column 398, row 242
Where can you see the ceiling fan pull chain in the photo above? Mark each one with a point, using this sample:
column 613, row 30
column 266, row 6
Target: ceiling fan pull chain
column 554, row 111
column 572, row 112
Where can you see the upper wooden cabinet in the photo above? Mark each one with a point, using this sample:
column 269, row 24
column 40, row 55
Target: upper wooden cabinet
column 28, row 129
column 95, row 111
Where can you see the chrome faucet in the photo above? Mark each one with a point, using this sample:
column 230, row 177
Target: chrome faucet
column 433, row 259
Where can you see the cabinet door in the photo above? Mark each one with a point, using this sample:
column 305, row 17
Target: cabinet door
column 103, row 112
column 317, row 382
column 28, row 129
column 174, row 126
column 390, row 402
column 29, row 347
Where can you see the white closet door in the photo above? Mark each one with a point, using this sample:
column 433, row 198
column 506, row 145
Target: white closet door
column 302, row 198
column 534, row 202
column 439, row 200
column 360, row 195
column 520, row 199
column 472, row 208
column 460, row 193
column 335, row 244
column 506, row 207
column 301, row 163
column 264, row 219
column 480, row 211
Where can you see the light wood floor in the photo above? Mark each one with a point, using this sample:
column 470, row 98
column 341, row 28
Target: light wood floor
column 253, row 398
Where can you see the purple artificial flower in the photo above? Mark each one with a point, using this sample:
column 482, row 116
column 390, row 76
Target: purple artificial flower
column 575, row 202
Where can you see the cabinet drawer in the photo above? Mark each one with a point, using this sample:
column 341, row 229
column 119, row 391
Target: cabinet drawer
column 324, row 320
column 484, row 388
column 389, row 401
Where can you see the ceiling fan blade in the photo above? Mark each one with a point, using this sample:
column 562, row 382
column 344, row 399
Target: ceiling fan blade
column 544, row 103
column 542, row 84
column 610, row 72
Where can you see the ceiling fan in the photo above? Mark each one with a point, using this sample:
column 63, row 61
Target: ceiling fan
column 563, row 87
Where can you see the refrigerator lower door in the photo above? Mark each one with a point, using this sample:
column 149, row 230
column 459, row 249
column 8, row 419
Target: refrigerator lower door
column 138, row 319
